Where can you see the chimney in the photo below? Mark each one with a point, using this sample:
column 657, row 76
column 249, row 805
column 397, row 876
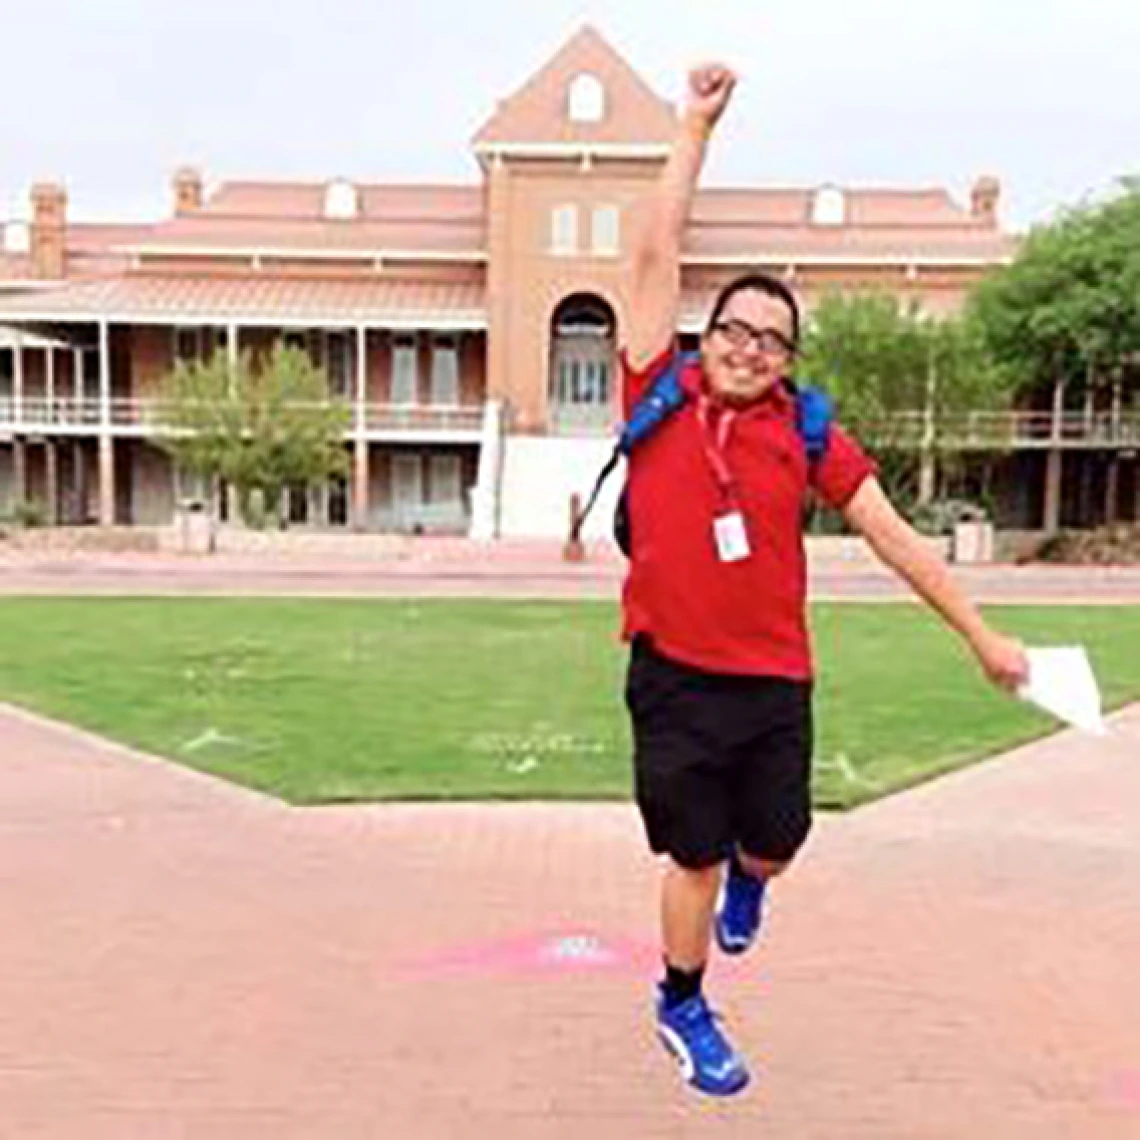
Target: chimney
column 49, row 230
column 187, row 191
column 984, row 200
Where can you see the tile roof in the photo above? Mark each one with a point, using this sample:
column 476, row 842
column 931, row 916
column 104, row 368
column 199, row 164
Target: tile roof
column 154, row 298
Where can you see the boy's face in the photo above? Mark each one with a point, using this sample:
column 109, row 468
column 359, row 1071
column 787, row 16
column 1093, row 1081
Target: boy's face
column 750, row 348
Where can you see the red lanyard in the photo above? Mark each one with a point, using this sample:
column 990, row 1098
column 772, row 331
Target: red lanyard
column 716, row 446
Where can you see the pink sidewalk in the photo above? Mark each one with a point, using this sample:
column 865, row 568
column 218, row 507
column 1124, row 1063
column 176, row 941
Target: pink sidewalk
column 458, row 568
column 183, row 959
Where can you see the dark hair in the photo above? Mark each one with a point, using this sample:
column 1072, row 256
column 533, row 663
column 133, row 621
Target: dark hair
column 759, row 283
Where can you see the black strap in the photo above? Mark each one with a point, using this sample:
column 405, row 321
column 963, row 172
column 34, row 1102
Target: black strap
column 580, row 518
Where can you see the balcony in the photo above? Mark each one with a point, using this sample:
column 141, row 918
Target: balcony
column 963, row 431
column 34, row 415
column 1011, row 431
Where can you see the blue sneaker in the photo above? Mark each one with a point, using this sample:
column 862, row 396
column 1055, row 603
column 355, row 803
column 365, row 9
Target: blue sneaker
column 708, row 1062
column 739, row 909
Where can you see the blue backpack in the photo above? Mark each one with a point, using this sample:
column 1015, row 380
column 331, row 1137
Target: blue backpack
column 814, row 413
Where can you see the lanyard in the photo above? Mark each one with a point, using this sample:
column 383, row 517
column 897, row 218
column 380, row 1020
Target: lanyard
column 715, row 440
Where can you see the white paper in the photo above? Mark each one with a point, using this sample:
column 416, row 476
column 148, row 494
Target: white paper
column 1061, row 682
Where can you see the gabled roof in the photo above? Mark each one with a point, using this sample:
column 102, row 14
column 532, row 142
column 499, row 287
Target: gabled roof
column 538, row 112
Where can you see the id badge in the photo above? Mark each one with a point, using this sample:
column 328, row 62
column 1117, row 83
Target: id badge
column 731, row 537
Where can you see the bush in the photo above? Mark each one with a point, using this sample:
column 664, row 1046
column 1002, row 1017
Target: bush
column 29, row 515
column 1115, row 545
column 943, row 515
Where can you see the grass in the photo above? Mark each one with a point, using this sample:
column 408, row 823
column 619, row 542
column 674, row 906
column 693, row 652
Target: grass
column 325, row 701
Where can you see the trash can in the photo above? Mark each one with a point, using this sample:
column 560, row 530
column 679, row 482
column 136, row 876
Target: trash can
column 196, row 528
column 973, row 541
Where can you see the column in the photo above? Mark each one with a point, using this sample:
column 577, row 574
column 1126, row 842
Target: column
column 233, row 355
column 926, row 471
column 1053, row 473
column 81, row 481
column 1112, row 490
column 18, row 378
column 360, row 471
column 926, row 477
column 49, row 382
column 106, row 443
column 360, row 481
column 19, row 471
column 51, row 461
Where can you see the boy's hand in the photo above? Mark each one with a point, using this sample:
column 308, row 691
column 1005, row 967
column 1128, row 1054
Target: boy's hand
column 1002, row 659
column 710, row 88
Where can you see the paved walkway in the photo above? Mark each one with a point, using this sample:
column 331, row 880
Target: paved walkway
column 457, row 568
column 180, row 959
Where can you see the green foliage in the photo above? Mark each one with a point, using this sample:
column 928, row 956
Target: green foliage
column 899, row 377
column 260, row 429
column 1068, row 307
column 29, row 515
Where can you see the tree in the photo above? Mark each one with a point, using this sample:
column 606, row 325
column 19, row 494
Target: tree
column 901, row 380
column 258, row 428
column 1068, row 307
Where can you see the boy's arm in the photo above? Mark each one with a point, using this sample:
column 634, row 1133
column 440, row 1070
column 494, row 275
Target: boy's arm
column 900, row 547
column 656, row 274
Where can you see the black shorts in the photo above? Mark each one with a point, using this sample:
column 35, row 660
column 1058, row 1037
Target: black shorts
column 719, row 760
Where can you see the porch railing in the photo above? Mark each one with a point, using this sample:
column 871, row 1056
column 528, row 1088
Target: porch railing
column 1009, row 430
column 36, row 413
column 965, row 430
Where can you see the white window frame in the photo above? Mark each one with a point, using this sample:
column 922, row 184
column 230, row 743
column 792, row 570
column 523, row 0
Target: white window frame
column 829, row 207
column 403, row 394
column 605, row 231
column 586, row 99
column 342, row 201
column 445, row 384
column 564, row 230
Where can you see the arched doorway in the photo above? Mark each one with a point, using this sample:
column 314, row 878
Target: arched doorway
column 582, row 385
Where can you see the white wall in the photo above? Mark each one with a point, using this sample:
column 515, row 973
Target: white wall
column 540, row 475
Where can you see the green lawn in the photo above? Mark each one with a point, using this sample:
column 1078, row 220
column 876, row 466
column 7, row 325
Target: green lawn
column 319, row 701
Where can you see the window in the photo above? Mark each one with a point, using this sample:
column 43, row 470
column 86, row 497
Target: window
column 829, row 207
column 564, row 230
column 407, row 483
column 405, row 371
column 445, row 479
column 587, row 99
column 197, row 345
column 444, row 371
column 338, row 357
column 341, row 201
column 17, row 237
column 338, row 506
column 186, row 346
column 606, row 231
column 90, row 376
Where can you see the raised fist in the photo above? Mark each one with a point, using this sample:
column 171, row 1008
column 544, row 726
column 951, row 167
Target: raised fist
column 710, row 88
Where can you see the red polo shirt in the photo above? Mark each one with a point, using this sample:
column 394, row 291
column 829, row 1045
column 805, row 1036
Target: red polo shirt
column 747, row 616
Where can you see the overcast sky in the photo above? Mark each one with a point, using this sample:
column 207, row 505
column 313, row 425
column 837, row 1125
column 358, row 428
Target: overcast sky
column 110, row 97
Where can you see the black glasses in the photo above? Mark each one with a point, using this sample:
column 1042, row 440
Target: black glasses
column 740, row 334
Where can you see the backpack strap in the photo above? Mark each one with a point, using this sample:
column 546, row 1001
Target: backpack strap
column 814, row 415
column 657, row 403
column 664, row 395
